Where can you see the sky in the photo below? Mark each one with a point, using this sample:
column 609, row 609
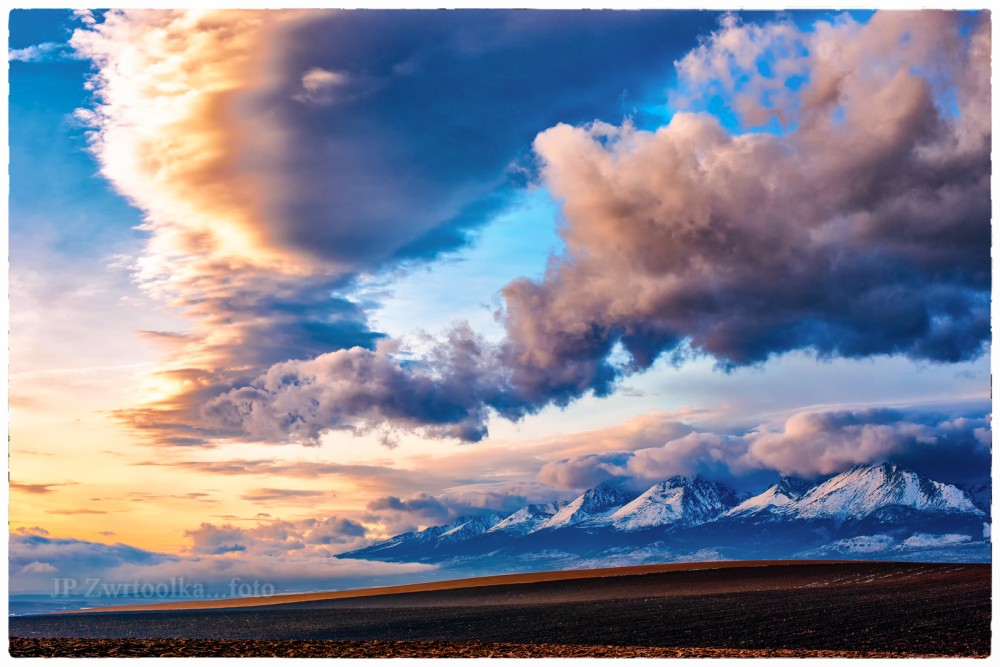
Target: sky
column 286, row 283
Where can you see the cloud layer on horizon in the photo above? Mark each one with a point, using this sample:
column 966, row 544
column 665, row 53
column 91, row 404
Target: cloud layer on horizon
column 269, row 554
column 950, row 447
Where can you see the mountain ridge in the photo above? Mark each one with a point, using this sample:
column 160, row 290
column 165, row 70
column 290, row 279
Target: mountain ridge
column 877, row 509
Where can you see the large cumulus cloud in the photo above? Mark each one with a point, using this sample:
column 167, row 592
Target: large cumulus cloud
column 278, row 157
column 358, row 390
column 855, row 225
column 861, row 230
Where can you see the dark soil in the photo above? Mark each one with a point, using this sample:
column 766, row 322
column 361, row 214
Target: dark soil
column 847, row 608
column 287, row 648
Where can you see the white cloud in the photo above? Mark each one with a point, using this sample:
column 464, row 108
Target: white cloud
column 319, row 86
column 37, row 567
column 44, row 52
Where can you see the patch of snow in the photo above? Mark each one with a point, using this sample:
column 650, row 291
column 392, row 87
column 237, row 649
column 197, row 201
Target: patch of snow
column 863, row 544
column 925, row 540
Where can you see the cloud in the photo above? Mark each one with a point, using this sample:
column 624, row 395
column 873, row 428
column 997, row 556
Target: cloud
column 691, row 240
column 40, row 53
column 584, row 471
column 85, row 16
column 34, row 489
column 366, row 481
column 274, row 538
column 263, row 212
column 698, row 238
column 270, row 494
column 394, row 515
column 319, row 86
column 943, row 448
column 269, row 555
column 163, row 92
column 811, row 444
column 37, row 567
column 925, row 540
column 507, row 496
column 359, row 390
column 69, row 557
column 334, row 531
column 397, row 515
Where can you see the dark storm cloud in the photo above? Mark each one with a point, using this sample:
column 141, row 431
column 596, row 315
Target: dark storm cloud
column 424, row 113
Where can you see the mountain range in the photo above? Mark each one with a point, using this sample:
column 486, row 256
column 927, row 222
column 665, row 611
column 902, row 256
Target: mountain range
column 878, row 511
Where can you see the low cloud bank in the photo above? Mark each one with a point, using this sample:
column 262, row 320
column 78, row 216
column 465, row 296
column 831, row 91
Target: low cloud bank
column 811, row 444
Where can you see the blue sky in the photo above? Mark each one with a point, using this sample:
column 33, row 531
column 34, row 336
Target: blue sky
column 441, row 253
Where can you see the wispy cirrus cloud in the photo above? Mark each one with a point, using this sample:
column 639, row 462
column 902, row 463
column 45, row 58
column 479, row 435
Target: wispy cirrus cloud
column 36, row 489
column 286, row 495
column 366, row 479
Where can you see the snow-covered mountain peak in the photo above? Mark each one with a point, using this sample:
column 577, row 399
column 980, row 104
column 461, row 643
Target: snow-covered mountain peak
column 469, row 526
column 594, row 503
column 527, row 519
column 863, row 489
column 676, row 500
column 778, row 496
